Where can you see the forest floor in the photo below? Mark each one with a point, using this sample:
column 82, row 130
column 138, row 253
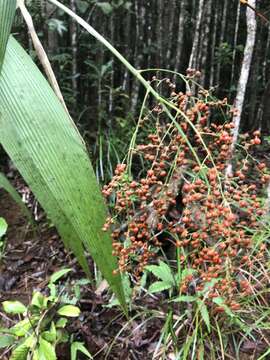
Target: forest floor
column 32, row 256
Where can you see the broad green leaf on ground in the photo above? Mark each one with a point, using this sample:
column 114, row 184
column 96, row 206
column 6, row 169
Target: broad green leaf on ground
column 38, row 300
column 61, row 323
column 159, row 286
column 20, row 352
column 23, row 327
column 7, row 186
column 46, row 350
column 6, row 340
column 69, row 311
column 3, row 227
column 57, row 275
column 204, row 313
column 7, row 12
column 14, row 307
column 185, row 298
column 45, row 146
column 78, row 346
column 50, row 335
column 162, row 272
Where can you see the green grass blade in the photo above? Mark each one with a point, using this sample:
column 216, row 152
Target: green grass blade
column 7, row 12
column 44, row 145
column 8, row 187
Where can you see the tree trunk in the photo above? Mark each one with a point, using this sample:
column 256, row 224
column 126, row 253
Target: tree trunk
column 264, row 74
column 128, row 47
column 180, row 35
column 205, row 41
column 245, row 70
column 265, row 109
column 194, row 52
column 213, row 50
column 73, row 40
column 159, row 32
column 222, row 36
column 235, row 41
column 140, row 18
column 52, row 37
column 171, row 15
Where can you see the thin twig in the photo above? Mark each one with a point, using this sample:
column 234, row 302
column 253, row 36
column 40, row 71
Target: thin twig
column 41, row 54
column 262, row 16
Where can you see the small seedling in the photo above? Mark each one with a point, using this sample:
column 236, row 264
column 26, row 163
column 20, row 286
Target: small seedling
column 41, row 326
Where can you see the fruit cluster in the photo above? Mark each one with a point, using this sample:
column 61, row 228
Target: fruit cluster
column 184, row 198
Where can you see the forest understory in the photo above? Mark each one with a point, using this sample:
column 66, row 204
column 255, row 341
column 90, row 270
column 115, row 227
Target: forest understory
column 32, row 256
column 134, row 180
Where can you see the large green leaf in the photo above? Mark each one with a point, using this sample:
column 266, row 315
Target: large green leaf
column 44, row 144
column 7, row 12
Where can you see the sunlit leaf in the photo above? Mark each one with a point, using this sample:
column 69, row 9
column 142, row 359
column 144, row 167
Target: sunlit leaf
column 159, row 286
column 78, row 346
column 61, row 323
column 14, row 307
column 69, row 311
column 162, row 272
column 20, row 352
column 57, row 275
column 38, row 300
column 205, row 314
column 3, row 227
column 185, row 298
column 22, row 327
column 46, row 350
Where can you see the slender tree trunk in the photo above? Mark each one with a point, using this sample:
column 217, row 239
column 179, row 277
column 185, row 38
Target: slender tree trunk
column 171, row 15
column 140, row 18
column 180, row 35
column 213, row 50
column 235, row 41
column 150, row 33
column 74, row 49
column 112, row 72
column 245, row 70
column 52, row 37
column 264, row 74
column 222, row 35
column 205, row 41
column 159, row 32
column 128, row 53
column 265, row 109
column 250, row 122
column 194, row 52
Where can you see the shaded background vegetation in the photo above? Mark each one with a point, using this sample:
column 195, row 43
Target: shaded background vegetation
column 102, row 96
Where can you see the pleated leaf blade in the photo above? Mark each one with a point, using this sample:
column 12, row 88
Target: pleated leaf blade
column 44, row 144
column 7, row 12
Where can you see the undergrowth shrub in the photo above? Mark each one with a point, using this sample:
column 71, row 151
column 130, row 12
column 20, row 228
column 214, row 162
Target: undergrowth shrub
column 180, row 197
